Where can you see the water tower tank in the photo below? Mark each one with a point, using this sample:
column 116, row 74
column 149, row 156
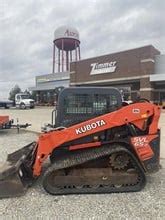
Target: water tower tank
column 66, row 42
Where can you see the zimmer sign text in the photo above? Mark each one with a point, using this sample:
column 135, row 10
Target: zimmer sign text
column 98, row 68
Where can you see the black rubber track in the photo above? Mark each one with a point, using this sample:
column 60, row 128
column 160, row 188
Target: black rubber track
column 77, row 158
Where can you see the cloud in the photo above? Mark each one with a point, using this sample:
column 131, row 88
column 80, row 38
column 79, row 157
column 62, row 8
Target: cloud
column 106, row 26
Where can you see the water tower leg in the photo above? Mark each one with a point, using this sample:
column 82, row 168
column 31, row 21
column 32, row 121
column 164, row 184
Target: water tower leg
column 76, row 50
column 53, row 71
column 67, row 61
column 70, row 56
column 79, row 52
column 62, row 55
column 58, row 60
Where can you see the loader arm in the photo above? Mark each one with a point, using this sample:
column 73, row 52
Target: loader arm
column 136, row 114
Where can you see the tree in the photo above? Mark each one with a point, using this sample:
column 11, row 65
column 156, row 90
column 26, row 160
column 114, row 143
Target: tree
column 33, row 95
column 27, row 92
column 16, row 89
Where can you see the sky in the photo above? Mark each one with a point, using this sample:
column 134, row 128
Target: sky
column 105, row 26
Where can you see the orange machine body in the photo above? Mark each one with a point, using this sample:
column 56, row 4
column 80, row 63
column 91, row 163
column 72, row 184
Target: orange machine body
column 136, row 114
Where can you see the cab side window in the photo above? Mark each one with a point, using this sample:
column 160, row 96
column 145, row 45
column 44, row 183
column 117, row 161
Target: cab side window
column 104, row 103
column 78, row 104
column 100, row 104
column 113, row 100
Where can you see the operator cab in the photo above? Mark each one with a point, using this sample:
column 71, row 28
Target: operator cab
column 77, row 104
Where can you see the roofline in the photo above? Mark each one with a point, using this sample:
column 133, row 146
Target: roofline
column 122, row 51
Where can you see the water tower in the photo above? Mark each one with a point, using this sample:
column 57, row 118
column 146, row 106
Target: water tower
column 66, row 48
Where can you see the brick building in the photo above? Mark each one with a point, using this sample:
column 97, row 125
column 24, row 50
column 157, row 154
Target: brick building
column 136, row 72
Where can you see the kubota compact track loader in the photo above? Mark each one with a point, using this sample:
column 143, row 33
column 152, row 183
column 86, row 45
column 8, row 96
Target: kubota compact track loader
column 96, row 145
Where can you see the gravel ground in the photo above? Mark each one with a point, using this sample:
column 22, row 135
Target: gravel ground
column 37, row 117
column 37, row 204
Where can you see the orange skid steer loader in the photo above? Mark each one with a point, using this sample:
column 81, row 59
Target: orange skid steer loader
column 94, row 144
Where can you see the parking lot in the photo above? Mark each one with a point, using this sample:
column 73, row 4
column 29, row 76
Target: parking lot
column 36, row 117
column 37, row 204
